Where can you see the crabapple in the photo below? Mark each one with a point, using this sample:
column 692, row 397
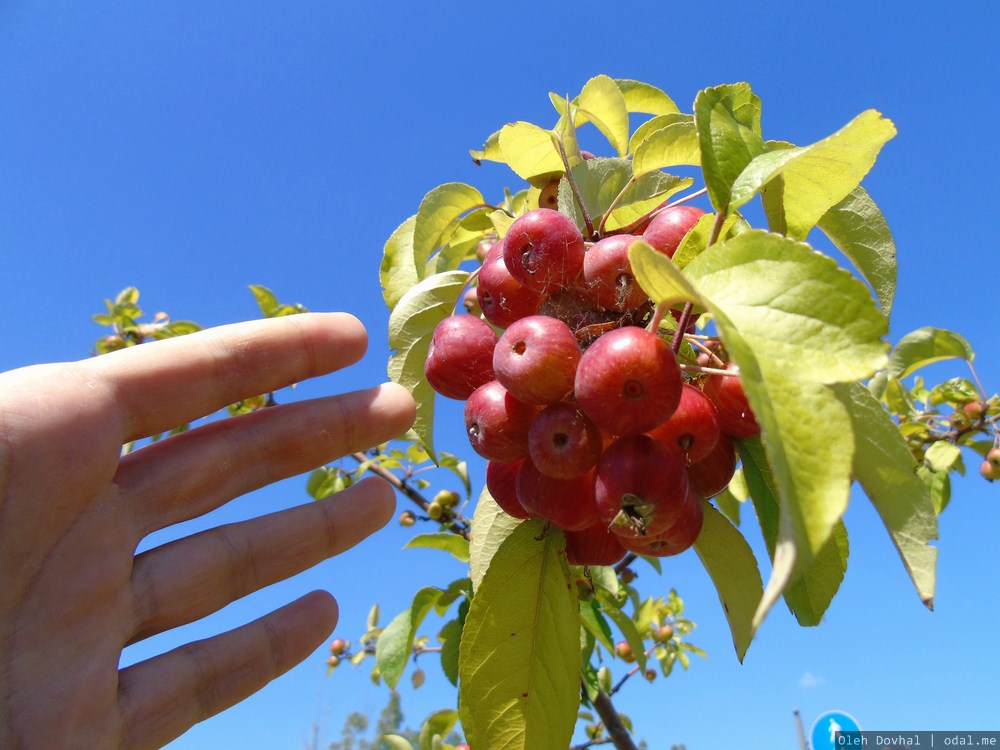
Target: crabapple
column 666, row 230
column 544, row 250
column 628, row 381
column 568, row 503
column 679, row 537
column 536, row 359
column 497, row 423
column 500, row 481
column 712, row 474
column 460, row 356
column 607, row 274
column 693, row 427
column 563, row 442
column 726, row 392
column 594, row 545
column 640, row 486
column 502, row 298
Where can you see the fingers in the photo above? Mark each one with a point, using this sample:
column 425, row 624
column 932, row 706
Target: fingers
column 163, row 384
column 197, row 471
column 190, row 578
column 161, row 698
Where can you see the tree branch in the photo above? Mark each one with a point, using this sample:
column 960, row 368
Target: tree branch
column 613, row 723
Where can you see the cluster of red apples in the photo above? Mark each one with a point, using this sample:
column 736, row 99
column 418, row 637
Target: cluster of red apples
column 585, row 416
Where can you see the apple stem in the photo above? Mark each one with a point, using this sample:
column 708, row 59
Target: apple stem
column 701, row 347
column 576, row 190
column 658, row 312
column 707, row 370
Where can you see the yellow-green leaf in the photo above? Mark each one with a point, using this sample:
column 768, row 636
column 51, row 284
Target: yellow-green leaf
column 672, row 141
column 519, row 673
column 438, row 212
column 411, row 325
column 605, row 106
column 490, row 526
column 816, row 177
column 531, row 152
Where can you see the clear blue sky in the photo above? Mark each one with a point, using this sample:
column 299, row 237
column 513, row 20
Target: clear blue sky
column 193, row 148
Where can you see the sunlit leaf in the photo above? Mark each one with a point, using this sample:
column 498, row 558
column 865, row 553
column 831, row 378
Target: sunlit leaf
column 519, row 673
column 398, row 271
column 455, row 545
column 859, row 230
column 490, row 526
column 605, row 107
column 926, row 346
column 531, row 152
column 816, row 177
column 667, row 141
column 728, row 124
column 411, row 325
column 395, row 643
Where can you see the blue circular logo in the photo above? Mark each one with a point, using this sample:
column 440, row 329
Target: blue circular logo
column 824, row 730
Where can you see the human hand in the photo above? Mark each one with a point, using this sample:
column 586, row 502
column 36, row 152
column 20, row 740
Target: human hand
column 73, row 511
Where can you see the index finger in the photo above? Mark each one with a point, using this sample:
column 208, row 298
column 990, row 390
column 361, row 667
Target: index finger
column 164, row 384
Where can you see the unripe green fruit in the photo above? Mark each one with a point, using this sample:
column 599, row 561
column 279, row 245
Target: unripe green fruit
column 406, row 518
column 447, row 498
column 960, row 421
column 435, row 510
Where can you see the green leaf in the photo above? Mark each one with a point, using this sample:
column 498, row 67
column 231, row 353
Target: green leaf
column 733, row 569
column 454, row 544
column 604, row 106
column 462, row 238
column 398, row 272
column 519, row 673
column 395, row 742
column 859, row 230
column 796, row 309
column 599, row 182
column 943, row 456
column 641, row 97
column 695, row 242
column 266, row 300
column 886, row 470
column 625, row 625
column 728, row 124
column 531, row 152
column 439, row 210
column 395, row 644
column 491, row 525
column 957, row 391
column 177, row 328
column 817, row 177
column 450, row 637
column 596, row 624
column 809, row 594
column 490, row 150
column 926, row 346
column 666, row 141
column 938, row 485
column 729, row 506
column 457, row 467
column 438, row 723
column 128, row 296
column 411, row 325
column 604, row 577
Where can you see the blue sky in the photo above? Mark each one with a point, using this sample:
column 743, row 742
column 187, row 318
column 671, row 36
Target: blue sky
column 191, row 149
